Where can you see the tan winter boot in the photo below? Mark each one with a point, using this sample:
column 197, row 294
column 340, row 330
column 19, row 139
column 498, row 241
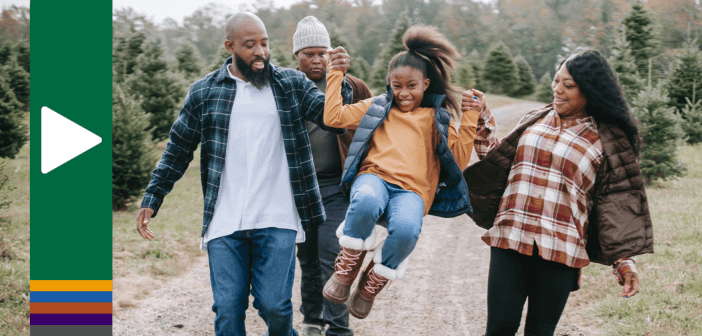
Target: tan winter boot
column 371, row 284
column 346, row 268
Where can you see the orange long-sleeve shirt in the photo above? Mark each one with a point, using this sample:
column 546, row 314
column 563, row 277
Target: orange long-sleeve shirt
column 402, row 150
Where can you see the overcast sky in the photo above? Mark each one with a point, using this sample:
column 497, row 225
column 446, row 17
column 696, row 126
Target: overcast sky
column 178, row 9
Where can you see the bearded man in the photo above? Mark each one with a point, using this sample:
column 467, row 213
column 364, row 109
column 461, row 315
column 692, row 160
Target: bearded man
column 258, row 178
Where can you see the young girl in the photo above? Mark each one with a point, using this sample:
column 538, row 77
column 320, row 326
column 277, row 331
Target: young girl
column 405, row 161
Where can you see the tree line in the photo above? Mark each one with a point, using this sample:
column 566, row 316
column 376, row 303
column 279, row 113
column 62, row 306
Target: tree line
column 506, row 46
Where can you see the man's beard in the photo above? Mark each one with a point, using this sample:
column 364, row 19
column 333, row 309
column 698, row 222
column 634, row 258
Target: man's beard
column 259, row 79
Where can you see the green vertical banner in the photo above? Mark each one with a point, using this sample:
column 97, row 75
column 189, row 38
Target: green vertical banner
column 71, row 167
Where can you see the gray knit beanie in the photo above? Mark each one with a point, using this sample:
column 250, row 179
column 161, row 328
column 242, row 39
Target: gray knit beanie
column 310, row 33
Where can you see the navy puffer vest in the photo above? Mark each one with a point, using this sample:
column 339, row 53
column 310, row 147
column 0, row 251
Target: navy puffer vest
column 451, row 197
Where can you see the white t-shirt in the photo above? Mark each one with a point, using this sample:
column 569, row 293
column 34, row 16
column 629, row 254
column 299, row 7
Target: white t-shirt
column 255, row 190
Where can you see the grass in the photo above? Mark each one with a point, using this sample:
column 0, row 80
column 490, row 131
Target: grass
column 14, row 247
column 140, row 265
column 670, row 297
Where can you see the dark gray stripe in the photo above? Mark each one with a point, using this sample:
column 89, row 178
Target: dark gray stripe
column 88, row 330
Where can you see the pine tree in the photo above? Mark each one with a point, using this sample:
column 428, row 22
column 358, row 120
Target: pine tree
column 18, row 79
column 527, row 81
column 464, row 76
column 222, row 55
column 624, row 67
column 358, row 66
column 133, row 155
column 188, row 58
column 693, row 118
column 22, row 55
column 378, row 78
column 5, row 53
column 544, row 91
column 124, row 57
column 500, row 73
column 661, row 133
column 278, row 57
column 477, row 65
column 158, row 89
column 685, row 71
column 639, row 33
column 13, row 132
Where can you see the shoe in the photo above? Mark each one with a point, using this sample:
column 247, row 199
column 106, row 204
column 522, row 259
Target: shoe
column 312, row 330
column 346, row 267
column 361, row 302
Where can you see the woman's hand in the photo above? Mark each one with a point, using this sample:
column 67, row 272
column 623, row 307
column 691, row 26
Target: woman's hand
column 473, row 100
column 631, row 285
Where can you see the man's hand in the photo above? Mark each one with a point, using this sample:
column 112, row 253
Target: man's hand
column 339, row 59
column 631, row 285
column 473, row 100
column 143, row 219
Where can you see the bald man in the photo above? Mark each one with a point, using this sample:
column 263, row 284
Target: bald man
column 258, row 178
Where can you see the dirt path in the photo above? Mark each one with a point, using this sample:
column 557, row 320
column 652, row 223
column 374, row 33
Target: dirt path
column 442, row 293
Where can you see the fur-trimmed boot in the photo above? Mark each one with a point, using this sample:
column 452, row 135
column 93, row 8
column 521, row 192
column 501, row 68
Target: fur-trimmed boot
column 347, row 265
column 373, row 279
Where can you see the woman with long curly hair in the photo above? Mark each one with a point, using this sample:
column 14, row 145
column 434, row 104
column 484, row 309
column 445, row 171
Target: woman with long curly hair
column 563, row 189
column 405, row 162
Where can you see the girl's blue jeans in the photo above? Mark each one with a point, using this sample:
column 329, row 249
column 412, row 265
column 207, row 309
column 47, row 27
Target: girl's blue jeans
column 371, row 197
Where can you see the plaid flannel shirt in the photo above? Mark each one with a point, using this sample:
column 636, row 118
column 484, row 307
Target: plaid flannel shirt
column 204, row 119
column 545, row 201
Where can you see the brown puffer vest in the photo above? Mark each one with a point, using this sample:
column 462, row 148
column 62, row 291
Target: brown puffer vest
column 619, row 221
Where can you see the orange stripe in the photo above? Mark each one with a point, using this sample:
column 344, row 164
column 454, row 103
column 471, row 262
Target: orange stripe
column 70, row 307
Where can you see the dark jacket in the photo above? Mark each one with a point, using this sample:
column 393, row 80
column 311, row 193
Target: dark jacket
column 451, row 197
column 619, row 221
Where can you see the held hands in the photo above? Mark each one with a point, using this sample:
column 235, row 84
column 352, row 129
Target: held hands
column 473, row 100
column 339, row 59
column 142, row 221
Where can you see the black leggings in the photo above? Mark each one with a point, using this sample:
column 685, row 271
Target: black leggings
column 513, row 277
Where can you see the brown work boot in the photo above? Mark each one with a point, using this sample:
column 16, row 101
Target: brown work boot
column 371, row 284
column 346, row 268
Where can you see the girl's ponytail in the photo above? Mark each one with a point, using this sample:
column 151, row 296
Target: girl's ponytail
column 429, row 51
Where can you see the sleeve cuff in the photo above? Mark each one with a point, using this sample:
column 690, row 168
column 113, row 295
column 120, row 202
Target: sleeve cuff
column 151, row 201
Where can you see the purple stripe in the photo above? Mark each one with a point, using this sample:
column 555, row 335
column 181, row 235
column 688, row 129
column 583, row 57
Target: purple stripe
column 70, row 319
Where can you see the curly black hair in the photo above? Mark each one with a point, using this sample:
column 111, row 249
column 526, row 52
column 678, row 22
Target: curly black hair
column 605, row 101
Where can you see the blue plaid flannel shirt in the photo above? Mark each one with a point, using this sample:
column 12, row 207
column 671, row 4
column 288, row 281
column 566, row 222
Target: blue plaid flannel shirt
column 204, row 119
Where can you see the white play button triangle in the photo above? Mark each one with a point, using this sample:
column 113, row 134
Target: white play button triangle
column 62, row 140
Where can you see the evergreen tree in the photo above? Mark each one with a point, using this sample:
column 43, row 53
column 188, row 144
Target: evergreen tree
column 188, row 58
column 378, row 78
column 222, row 55
column 661, row 133
column 527, row 82
column 133, row 155
column 464, row 76
column 500, row 73
column 624, row 67
column 278, row 57
column 477, row 65
column 125, row 55
column 13, row 132
column 358, row 66
column 639, row 33
column 5, row 53
column 22, row 55
column 685, row 71
column 544, row 91
column 159, row 90
column 693, row 118
column 18, row 79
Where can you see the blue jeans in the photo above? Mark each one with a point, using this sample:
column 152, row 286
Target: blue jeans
column 371, row 197
column 317, row 255
column 263, row 261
